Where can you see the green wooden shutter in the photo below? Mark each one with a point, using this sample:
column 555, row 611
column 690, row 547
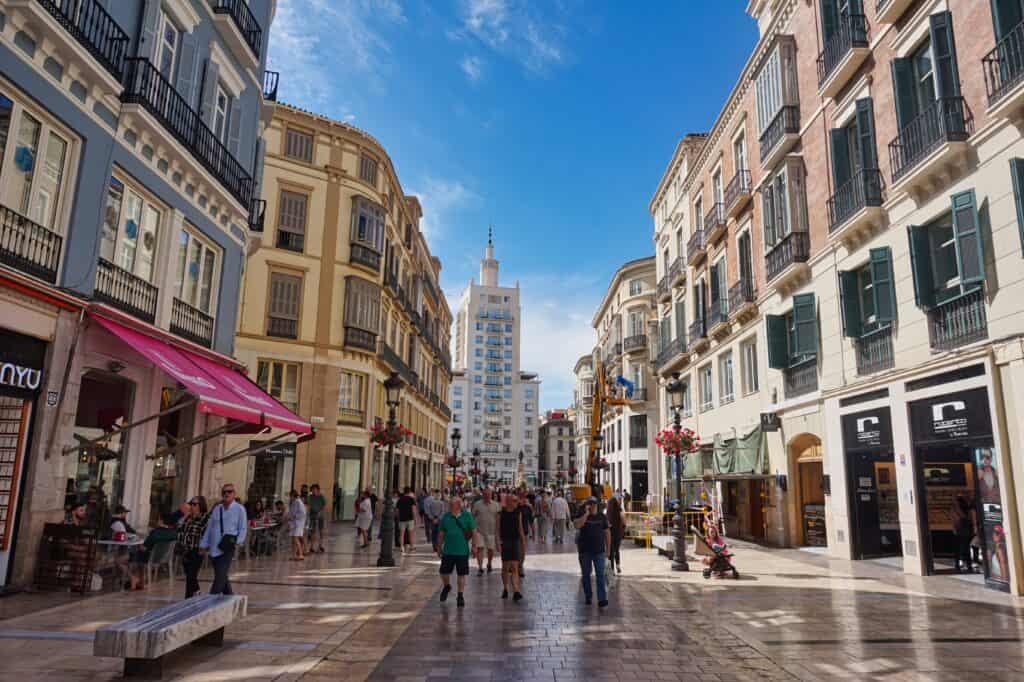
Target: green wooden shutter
column 778, row 346
column 715, row 290
column 882, row 290
column 680, row 319
column 1017, row 173
column 806, row 322
column 921, row 266
column 723, row 288
column 1006, row 14
column 866, row 132
column 840, row 143
column 849, row 302
column 904, row 86
column 829, row 18
column 969, row 250
column 947, row 76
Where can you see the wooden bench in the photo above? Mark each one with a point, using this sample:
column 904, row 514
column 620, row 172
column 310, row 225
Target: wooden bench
column 143, row 640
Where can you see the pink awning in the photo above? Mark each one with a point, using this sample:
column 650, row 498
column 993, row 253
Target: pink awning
column 220, row 390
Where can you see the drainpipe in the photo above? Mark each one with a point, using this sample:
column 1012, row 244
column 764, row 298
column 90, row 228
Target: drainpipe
column 64, row 385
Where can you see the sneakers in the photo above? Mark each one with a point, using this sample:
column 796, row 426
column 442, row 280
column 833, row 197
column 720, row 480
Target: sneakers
column 445, row 591
column 461, row 601
column 480, row 571
column 504, row 594
column 586, row 601
column 618, row 569
column 517, row 597
column 602, row 604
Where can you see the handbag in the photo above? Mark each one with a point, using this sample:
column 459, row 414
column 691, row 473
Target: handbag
column 227, row 541
column 466, row 533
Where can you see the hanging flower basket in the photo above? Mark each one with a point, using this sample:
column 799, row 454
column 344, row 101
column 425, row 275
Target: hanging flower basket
column 453, row 462
column 382, row 436
column 681, row 443
column 474, row 472
column 573, row 471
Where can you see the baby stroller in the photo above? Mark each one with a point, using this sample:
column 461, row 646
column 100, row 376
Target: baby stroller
column 717, row 557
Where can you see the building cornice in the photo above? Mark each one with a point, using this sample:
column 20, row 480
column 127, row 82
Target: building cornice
column 636, row 265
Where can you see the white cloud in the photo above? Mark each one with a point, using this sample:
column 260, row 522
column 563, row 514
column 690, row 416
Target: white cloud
column 440, row 198
column 472, row 67
column 515, row 30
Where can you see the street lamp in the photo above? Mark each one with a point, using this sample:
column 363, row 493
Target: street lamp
column 393, row 386
column 675, row 393
column 476, row 467
column 592, row 474
column 453, row 460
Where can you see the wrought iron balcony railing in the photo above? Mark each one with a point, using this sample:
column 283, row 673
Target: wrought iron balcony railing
column 364, row 256
column 874, row 351
column 360, row 338
column 698, row 330
column 695, row 247
column 146, row 86
column 959, row 321
column 1003, row 67
column 664, row 290
column 673, row 270
column 795, row 247
column 290, row 241
column 948, row 120
column 718, row 313
column 28, row 246
column 786, row 122
column 282, row 327
column 395, row 362
column 94, row 29
column 801, row 378
column 270, row 82
column 740, row 294
column 852, row 32
column 715, row 217
column 635, row 342
column 737, row 188
column 862, row 190
column 191, row 323
column 125, row 291
column 244, row 20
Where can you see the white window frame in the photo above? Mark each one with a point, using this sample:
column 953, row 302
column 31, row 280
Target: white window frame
column 221, row 115
column 193, row 236
column 162, row 47
column 726, row 378
column 751, row 383
column 706, row 381
column 129, row 188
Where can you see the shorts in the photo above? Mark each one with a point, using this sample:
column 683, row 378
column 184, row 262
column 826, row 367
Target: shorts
column 458, row 563
column 316, row 522
column 510, row 551
column 483, row 540
column 406, row 526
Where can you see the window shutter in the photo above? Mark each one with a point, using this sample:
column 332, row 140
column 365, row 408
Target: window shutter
column 883, row 291
column 284, row 296
column 778, row 350
column 715, row 289
column 866, row 132
column 680, row 319
column 150, row 26
column 746, row 271
column 904, row 86
column 839, row 141
column 1017, row 173
column 849, row 302
column 829, row 18
column 921, row 266
column 1006, row 14
column 292, row 213
column 236, row 124
column 723, row 287
column 188, row 64
column 805, row 320
column 947, row 76
column 208, row 102
column 769, row 216
column 969, row 250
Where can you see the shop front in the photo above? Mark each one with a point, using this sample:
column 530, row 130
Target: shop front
column 871, row 484
column 348, row 472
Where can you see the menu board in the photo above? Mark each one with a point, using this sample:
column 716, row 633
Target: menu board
column 13, row 416
column 815, row 534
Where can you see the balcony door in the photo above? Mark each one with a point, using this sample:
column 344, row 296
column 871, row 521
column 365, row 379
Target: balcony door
column 1006, row 16
column 746, row 265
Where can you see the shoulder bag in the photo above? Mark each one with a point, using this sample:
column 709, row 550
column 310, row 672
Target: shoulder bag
column 227, row 540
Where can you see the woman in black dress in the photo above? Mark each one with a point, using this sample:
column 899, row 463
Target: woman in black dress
column 511, row 536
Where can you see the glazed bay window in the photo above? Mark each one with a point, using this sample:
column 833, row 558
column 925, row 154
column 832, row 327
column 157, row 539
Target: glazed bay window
column 707, row 387
column 127, row 250
column 284, row 300
column 291, row 220
column 948, row 262
column 855, row 175
column 192, row 310
column 784, row 206
column 351, row 398
column 793, row 345
column 280, row 380
column 778, row 110
column 362, row 313
column 725, row 378
column 367, row 238
column 34, row 163
column 868, row 302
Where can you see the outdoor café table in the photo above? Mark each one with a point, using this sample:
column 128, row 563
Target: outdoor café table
column 119, row 546
column 260, row 532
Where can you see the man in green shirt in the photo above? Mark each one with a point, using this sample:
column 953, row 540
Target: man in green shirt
column 317, row 502
column 455, row 531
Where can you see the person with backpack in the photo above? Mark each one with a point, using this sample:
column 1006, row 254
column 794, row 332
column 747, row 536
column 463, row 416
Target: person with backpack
column 454, row 534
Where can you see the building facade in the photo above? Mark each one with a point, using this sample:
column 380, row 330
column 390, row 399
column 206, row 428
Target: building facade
column 621, row 324
column 583, row 407
column 494, row 402
column 341, row 291
column 557, row 447
column 130, row 155
column 885, row 216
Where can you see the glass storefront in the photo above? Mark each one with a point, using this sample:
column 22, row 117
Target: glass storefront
column 266, row 476
column 871, row 480
column 348, row 464
column 171, row 467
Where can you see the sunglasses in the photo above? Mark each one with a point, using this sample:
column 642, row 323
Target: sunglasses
column 227, row 492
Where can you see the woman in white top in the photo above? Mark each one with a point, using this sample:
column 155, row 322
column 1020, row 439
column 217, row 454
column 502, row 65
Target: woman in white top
column 364, row 519
column 297, row 521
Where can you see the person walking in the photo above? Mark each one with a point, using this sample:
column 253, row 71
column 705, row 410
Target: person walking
column 435, row 510
column 593, row 544
column 543, row 517
column 511, row 536
column 526, row 511
column 485, row 514
column 617, row 527
column 225, row 530
column 456, row 529
column 364, row 519
column 559, row 518
column 190, row 533
column 406, row 506
column 297, row 519
column 317, row 504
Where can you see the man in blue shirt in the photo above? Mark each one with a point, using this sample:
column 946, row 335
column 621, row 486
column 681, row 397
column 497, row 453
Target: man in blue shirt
column 227, row 519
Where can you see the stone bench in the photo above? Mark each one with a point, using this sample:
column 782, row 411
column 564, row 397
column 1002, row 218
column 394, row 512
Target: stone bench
column 143, row 640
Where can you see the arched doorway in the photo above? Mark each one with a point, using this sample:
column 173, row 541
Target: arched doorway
column 807, row 467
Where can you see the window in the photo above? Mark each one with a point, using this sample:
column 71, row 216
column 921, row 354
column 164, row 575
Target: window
column 195, row 273
column 298, row 145
column 457, row 418
column 739, row 153
column 478, row 379
column 457, row 390
column 479, row 327
column 748, row 356
column 716, row 187
column 947, row 256
column 291, row 220
column 478, row 352
column 128, row 237
column 508, row 366
column 368, row 224
column 707, row 389
column 362, row 304
column 636, row 286
column 776, row 83
column 793, row 337
column 853, row 149
column 508, row 328
column 368, row 170
column 635, row 323
column 867, row 295
column 283, row 305
column 350, row 397
column 478, row 365
column 508, row 381
column 479, row 339
column 220, row 114
column 927, row 76
column 698, row 214
column 167, row 49
column 784, row 204
column 507, row 355
column 280, row 380
column 457, row 404
column 719, row 289
column 725, row 378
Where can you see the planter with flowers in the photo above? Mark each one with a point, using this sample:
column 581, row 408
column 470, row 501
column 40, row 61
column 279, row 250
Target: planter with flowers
column 453, row 462
column 382, row 436
column 682, row 442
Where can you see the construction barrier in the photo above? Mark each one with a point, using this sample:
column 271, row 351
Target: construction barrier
column 643, row 526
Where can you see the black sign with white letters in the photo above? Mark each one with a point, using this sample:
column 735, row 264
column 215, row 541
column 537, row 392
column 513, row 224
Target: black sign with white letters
column 868, row 430
column 21, row 364
column 952, row 416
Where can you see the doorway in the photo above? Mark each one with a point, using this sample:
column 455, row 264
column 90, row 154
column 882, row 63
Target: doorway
column 171, row 469
column 348, row 471
column 945, row 474
column 874, row 505
column 638, row 480
column 808, row 492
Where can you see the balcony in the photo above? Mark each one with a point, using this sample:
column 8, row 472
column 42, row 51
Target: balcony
column 361, row 339
column 290, row 241
column 677, row 272
column 856, row 206
column 125, row 291
column 718, row 318
column 94, row 29
column 698, row 335
column 616, row 350
column 929, row 144
column 874, row 351
column 742, row 300
column 191, row 323
column 1003, row 69
column 664, row 291
column 959, row 321
column 350, row 415
column 801, row 378
column 270, row 82
column 29, row 247
column 244, row 32
column 889, row 11
column 737, row 194
column 788, row 259
column 397, row 364
column 257, row 215
column 670, row 354
column 844, row 52
column 714, row 223
column 696, row 248
column 639, row 395
column 145, row 86
column 780, row 136
column 368, row 258
column 635, row 344
column 282, row 327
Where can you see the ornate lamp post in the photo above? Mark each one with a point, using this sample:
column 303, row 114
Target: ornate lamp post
column 453, row 459
column 594, row 476
column 393, row 386
column 675, row 392
column 475, row 471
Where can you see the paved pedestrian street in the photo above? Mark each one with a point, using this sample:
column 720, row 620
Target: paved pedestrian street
column 794, row 615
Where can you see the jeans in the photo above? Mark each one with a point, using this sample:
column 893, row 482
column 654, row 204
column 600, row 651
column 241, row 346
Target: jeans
column 435, row 530
column 426, row 530
column 191, row 561
column 221, row 565
column 595, row 560
column 558, row 530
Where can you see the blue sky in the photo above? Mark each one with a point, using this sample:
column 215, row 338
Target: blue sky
column 553, row 120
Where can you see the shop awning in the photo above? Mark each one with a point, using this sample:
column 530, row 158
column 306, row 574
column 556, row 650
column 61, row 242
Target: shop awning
column 218, row 389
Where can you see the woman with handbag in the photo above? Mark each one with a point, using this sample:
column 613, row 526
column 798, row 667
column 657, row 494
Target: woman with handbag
column 454, row 535
column 189, row 533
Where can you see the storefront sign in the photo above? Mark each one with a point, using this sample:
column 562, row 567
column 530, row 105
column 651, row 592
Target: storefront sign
column 21, row 364
column 871, row 429
column 990, row 502
column 953, row 416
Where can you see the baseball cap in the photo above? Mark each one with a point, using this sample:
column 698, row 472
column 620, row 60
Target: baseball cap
column 121, row 509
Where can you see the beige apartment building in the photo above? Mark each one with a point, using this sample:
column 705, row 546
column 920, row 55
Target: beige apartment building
column 556, row 446
column 341, row 291
column 583, row 407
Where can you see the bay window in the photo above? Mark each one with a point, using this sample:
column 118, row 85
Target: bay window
column 196, row 271
column 784, row 204
column 280, row 380
column 351, row 401
column 129, row 233
column 368, row 225
column 362, row 304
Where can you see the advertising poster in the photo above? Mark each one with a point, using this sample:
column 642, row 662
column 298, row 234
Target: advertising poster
column 997, row 573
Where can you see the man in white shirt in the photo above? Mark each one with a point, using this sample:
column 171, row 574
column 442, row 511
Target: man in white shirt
column 559, row 518
column 226, row 519
column 485, row 514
